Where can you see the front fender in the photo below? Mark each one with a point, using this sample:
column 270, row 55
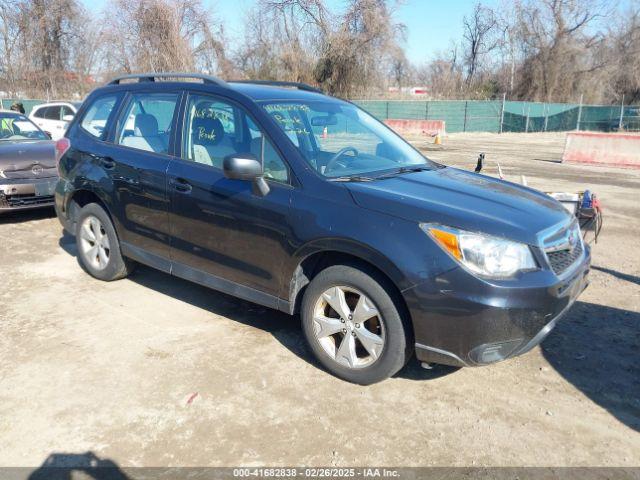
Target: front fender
column 353, row 248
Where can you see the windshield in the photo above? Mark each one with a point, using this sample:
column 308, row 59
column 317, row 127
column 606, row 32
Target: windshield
column 341, row 140
column 18, row 127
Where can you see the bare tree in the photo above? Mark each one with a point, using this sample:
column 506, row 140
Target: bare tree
column 557, row 47
column 624, row 55
column 10, row 36
column 303, row 40
column 400, row 68
column 479, row 38
column 40, row 39
column 444, row 74
column 162, row 35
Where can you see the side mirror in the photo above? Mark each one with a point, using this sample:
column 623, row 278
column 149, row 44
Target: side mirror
column 245, row 166
column 48, row 134
column 67, row 118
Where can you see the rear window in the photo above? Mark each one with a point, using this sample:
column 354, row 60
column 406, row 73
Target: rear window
column 95, row 119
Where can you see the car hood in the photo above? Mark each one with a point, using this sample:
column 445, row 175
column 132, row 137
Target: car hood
column 466, row 200
column 27, row 159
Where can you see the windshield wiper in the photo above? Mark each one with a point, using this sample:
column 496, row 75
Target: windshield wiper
column 352, row 178
column 401, row 170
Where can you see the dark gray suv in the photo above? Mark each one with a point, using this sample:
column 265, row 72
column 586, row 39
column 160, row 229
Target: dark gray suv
column 278, row 194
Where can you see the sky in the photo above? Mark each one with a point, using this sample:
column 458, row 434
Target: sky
column 431, row 24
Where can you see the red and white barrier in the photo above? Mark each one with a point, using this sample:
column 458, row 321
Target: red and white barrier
column 420, row 127
column 614, row 149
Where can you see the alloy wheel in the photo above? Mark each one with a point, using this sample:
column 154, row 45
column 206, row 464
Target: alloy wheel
column 94, row 242
column 348, row 327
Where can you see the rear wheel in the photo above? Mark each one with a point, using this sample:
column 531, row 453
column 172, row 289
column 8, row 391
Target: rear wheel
column 353, row 326
column 98, row 246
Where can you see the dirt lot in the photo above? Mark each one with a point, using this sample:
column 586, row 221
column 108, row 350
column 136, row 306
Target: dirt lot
column 155, row 371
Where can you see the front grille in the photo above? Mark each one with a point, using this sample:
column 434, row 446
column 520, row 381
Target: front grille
column 27, row 200
column 561, row 260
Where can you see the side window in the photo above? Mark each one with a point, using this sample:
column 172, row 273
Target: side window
column 53, row 113
column 39, row 113
column 95, row 119
column 66, row 110
column 146, row 122
column 216, row 129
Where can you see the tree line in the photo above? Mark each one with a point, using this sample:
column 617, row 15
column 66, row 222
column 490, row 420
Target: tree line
column 540, row 50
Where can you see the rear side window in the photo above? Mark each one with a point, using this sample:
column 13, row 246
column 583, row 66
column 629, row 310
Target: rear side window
column 146, row 123
column 39, row 113
column 95, row 119
column 66, row 110
column 53, row 113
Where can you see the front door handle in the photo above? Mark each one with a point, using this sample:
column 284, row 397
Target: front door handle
column 108, row 163
column 181, row 185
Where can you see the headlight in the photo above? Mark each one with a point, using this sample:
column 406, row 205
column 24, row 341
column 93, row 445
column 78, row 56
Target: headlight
column 2, row 175
column 484, row 255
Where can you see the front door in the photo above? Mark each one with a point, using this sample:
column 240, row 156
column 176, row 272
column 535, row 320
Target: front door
column 219, row 227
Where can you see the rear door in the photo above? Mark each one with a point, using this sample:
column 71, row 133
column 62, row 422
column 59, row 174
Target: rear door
column 219, row 226
column 53, row 123
column 137, row 164
column 39, row 117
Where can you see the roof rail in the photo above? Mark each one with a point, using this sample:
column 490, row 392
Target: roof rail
column 277, row 83
column 151, row 77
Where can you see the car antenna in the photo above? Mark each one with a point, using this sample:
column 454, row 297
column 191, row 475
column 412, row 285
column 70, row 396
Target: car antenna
column 480, row 161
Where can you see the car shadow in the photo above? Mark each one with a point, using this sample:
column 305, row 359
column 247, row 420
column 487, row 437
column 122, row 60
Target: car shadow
column 597, row 348
column 67, row 466
column 414, row 370
column 621, row 275
column 20, row 216
column 284, row 328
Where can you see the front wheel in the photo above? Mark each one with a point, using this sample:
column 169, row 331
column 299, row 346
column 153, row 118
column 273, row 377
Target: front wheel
column 353, row 325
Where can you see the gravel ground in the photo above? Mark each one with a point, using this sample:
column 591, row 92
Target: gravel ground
column 156, row 371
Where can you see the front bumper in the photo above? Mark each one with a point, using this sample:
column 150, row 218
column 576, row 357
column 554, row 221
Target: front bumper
column 22, row 194
column 461, row 320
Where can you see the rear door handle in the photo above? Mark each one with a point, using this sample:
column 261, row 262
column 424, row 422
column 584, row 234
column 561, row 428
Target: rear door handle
column 181, row 185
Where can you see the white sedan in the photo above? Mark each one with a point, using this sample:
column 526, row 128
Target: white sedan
column 54, row 117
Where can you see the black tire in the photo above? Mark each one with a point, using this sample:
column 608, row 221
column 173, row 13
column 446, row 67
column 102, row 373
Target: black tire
column 398, row 343
column 117, row 266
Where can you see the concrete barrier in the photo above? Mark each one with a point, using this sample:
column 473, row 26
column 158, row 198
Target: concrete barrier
column 614, row 149
column 420, row 127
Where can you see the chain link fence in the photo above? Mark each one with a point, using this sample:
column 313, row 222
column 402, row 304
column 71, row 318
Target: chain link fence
column 507, row 116
column 488, row 116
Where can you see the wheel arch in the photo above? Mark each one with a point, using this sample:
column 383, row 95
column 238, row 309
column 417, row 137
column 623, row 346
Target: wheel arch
column 82, row 197
column 314, row 258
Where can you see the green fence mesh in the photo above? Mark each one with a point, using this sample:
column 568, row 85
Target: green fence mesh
column 28, row 105
column 489, row 116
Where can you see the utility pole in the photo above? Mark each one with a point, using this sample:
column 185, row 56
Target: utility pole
column 464, row 127
column 546, row 116
column 579, row 113
column 621, row 113
column 504, row 98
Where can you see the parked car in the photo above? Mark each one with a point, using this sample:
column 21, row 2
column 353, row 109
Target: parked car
column 53, row 118
column 278, row 194
column 28, row 172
